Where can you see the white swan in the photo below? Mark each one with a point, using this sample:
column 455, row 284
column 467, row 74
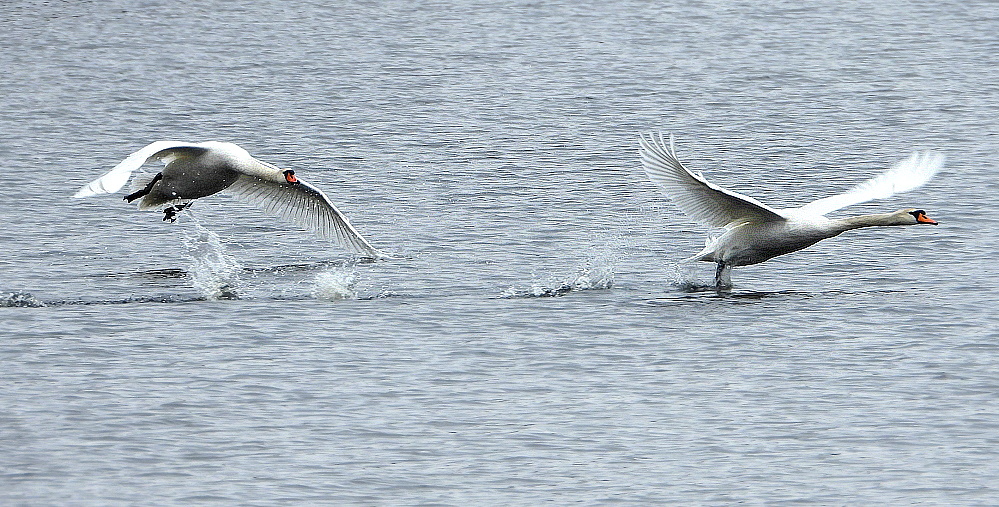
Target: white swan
column 756, row 232
column 194, row 170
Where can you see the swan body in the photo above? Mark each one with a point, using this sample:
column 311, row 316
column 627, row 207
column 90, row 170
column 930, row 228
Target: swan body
column 755, row 232
column 195, row 170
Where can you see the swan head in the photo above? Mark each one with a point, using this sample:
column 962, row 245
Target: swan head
column 913, row 216
column 289, row 176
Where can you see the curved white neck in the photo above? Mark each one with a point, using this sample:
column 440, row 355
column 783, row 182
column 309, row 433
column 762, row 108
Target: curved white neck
column 873, row 220
column 262, row 170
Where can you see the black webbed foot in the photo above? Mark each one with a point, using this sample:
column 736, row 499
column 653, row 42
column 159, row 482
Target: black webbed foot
column 171, row 212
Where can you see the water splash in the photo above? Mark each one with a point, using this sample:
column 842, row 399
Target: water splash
column 213, row 271
column 594, row 276
column 597, row 274
column 335, row 284
column 19, row 299
column 683, row 276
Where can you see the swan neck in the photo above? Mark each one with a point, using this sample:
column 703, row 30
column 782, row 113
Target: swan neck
column 874, row 220
column 262, row 170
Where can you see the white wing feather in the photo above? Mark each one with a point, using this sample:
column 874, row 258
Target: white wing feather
column 702, row 201
column 304, row 205
column 905, row 175
column 112, row 181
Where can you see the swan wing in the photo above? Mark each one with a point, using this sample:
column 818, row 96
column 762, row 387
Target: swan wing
column 905, row 175
column 698, row 198
column 306, row 206
column 112, row 181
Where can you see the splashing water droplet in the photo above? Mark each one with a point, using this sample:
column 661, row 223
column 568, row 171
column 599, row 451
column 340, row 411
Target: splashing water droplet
column 597, row 274
column 684, row 277
column 335, row 284
column 19, row 299
column 213, row 271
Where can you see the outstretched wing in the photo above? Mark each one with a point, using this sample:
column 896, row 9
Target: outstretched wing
column 698, row 198
column 116, row 178
column 905, row 175
column 304, row 205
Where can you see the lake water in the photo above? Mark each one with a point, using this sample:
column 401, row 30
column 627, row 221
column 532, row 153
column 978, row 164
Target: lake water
column 537, row 343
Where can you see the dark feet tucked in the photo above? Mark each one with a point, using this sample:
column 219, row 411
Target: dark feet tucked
column 148, row 188
column 171, row 212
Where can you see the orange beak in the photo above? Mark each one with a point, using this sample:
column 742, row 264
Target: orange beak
column 923, row 219
column 290, row 177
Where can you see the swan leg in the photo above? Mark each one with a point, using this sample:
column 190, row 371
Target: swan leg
column 723, row 276
column 145, row 191
column 171, row 212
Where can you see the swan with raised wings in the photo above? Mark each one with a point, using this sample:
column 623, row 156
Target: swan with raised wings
column 195, row 170
column 756, row 232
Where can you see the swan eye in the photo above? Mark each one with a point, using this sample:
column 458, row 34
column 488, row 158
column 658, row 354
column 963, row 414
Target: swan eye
column 289, row 176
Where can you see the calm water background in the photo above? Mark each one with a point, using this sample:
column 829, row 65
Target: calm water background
column 494, row 145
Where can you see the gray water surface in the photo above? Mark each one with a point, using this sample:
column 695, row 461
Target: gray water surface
column 536, row 341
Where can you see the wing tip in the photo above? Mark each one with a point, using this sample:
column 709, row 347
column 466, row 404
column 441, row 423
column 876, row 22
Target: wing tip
column 655, row 138
column 93, row 188
column 377, row 255
column 934, row 161
column 919, row 167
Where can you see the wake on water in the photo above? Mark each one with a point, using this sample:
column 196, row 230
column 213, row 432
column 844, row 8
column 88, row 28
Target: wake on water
column 19, row 299
column 216, row 275
column 212, row 270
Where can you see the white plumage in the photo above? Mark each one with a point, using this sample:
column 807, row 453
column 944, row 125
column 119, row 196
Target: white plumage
column 756, row 232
